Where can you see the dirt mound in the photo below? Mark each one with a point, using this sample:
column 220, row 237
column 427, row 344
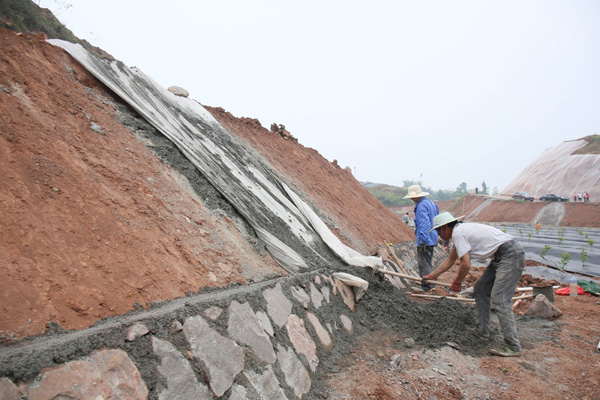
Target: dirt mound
column 89, row 211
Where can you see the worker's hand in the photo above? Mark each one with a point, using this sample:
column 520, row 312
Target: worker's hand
column 455, row 287
column 428, row 277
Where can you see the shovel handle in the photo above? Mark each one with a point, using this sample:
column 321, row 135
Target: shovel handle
column 414, row 278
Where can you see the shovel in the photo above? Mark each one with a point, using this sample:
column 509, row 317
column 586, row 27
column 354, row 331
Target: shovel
column 414, row 278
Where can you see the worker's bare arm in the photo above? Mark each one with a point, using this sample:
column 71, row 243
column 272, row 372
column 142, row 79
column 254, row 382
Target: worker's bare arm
column 464, row 267
column 445, row 265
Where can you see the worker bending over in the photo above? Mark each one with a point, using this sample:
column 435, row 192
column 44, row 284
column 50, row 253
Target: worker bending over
column 499, row 280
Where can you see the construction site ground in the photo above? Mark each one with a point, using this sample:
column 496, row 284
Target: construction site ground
column 100, row 217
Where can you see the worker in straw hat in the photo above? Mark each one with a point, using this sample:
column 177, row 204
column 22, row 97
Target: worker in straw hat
column 425, row 238
column 499, row 280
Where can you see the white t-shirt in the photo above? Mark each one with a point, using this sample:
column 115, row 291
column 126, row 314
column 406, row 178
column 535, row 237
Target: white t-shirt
column 480, row 241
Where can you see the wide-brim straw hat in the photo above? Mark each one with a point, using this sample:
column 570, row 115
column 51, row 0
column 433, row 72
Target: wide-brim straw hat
column 415, row 191
column 443, row 219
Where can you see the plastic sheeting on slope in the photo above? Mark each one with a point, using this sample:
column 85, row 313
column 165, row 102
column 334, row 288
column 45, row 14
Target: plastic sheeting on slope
column 559, row 171
column 253, row 190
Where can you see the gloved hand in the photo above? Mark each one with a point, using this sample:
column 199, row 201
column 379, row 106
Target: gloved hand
column 455, row 287
column 428, row 277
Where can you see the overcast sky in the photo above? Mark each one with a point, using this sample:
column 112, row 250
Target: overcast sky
column 438, row 91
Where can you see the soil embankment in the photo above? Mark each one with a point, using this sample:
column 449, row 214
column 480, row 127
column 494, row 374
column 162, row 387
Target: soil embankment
column 492, row 209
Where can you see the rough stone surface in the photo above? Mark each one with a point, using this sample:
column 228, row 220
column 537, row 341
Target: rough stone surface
column 181, row 380
column 266, row 384
column 237, row 393
column 136, row 331
column 347, row 323
column 296, row 376
column 301, row 340
column 213, row 313
column 316, row 296
column 300, row 295
column 347, row 294
column 263, row 319
column 107, row 373
column 326, row 292
column 8, row 390
column 243, row 325
column 322, row 334
column 178, row 91
column 329, row 328
column 176, row 326
column 223, row 358
column 278, row 306
column 541, row 307
column 317, row 280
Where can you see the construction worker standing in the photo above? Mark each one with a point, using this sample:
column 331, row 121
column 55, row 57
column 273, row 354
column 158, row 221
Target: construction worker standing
column 426, row 239
column 499, row 280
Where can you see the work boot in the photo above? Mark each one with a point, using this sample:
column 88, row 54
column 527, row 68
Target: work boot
column 477, row 334
column 505, row 351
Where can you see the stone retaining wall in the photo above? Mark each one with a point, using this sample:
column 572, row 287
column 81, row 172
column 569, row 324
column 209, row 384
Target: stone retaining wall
column 265, row 341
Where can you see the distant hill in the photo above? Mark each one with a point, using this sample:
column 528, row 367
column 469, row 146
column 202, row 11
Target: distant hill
column 393, row 196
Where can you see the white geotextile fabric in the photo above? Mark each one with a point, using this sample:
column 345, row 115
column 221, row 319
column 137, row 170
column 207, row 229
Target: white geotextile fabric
column 559, row 171
column 346, row 253
column 244, row 182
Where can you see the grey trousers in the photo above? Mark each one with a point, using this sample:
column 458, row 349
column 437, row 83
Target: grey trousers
column 496, row 287
column 425, row 261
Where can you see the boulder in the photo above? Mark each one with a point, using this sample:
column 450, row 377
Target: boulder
column 541, row 307
column 178, row 91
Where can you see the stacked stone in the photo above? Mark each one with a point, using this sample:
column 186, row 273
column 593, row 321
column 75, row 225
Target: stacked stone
column 266, row 351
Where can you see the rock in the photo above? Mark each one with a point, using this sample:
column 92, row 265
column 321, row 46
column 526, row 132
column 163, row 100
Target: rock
column 301, row 296
column 266, row 384
column 396, row 360
column 278, row 306
column 296, row 376
column 243, row 325
column 301, row 340
column 542, row 307
column 263, row 319
column 213, row 313
column 180, row 377
column 8, row 390
column 347, row 323
column 176, row 326
column 178, row 91
column 223, row 358
column 326, row 292
column 109, row 374
column 347, row 294
column 237, row 393
column 322, row 334
column 316, row 296
column 136, row 331
column 409, row 342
